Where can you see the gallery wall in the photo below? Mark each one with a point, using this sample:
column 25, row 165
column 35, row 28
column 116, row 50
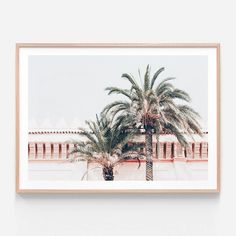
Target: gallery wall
column 117, row 21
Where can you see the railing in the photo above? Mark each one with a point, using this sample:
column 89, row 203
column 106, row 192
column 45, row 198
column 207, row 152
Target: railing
column 169, row 151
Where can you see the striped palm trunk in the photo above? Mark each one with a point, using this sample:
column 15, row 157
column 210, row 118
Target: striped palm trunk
column 148, row 146
column 158, row 138
column 158, row 145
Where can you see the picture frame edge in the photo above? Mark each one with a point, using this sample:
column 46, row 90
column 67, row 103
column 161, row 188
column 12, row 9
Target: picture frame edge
column 20, row 45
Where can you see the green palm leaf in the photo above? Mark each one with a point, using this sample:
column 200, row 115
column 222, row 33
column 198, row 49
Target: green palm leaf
column 155, row 76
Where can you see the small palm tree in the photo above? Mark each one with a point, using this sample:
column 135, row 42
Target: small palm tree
column 153, row 108
column 107, row 144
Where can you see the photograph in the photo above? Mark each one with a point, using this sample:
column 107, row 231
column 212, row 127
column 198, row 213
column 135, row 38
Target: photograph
column 117, row 118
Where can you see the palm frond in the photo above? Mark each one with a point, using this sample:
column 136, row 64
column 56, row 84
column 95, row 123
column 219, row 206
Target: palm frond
column 188, row 111
column 116, row 105
column 163, row 82
column 134, row 85
column 116, row 90
column 147, row 79
column 164, row 88
column 155, row 76
column 180, row 94
column 178, row 134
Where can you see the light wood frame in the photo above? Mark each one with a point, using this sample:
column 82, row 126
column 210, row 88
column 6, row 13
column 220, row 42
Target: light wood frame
column 116, row 45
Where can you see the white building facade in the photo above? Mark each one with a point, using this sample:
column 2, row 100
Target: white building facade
column 48, row 159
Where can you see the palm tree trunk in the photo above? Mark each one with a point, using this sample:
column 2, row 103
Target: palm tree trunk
column 108, row 173
column 148, row 146
column 158, row 138
column 158, row 145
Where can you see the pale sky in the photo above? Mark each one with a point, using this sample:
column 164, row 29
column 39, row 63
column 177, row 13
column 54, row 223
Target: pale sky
column 64, row 91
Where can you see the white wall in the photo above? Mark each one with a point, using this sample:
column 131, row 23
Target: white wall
column 116, row 21
column 162, row 171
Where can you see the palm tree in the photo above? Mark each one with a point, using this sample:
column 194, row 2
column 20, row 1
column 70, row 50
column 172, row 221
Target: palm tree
column 154, row 108
column 107, row 144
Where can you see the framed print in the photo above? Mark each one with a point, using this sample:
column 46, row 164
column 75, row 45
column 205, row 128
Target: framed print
column 117, row 118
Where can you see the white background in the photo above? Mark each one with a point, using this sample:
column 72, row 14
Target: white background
column 120, row 21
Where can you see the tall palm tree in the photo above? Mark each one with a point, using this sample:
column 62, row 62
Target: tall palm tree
column 107, row 144
column 154, row 108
